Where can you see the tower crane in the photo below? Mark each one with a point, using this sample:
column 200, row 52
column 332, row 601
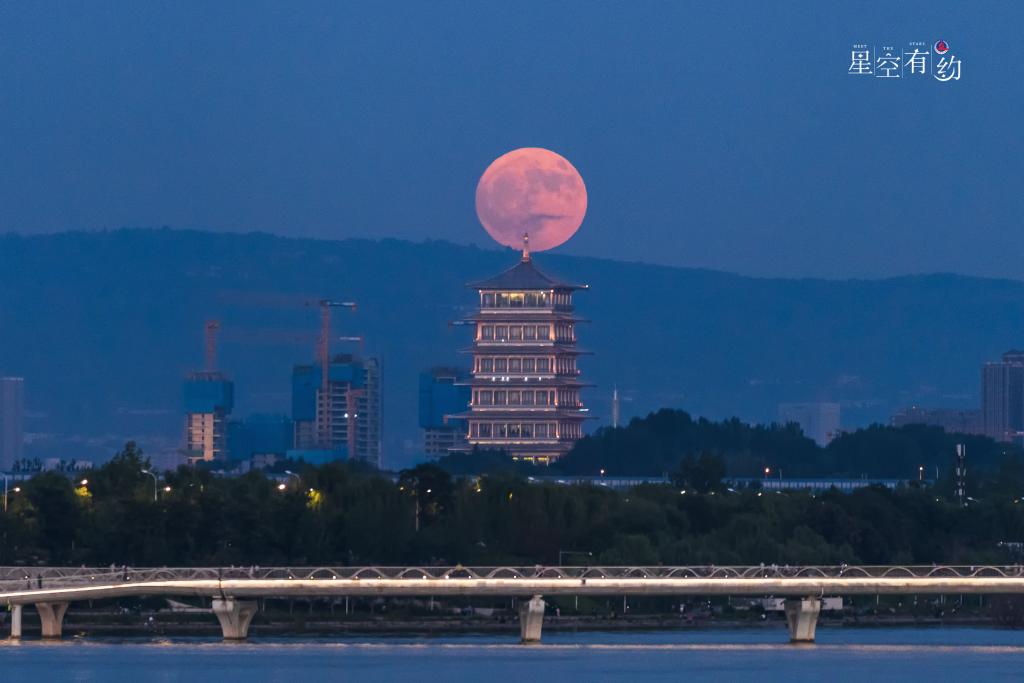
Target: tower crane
column 324, row 353
column 210, row 330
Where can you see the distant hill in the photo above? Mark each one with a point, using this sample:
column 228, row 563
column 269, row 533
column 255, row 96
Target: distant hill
column 104, row 326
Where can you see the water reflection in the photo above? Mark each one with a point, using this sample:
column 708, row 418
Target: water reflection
column 755, row 655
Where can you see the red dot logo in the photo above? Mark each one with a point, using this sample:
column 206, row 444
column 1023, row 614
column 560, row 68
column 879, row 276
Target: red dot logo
column 941, row 47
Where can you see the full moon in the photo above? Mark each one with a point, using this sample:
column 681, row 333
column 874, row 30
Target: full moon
column 531, row 190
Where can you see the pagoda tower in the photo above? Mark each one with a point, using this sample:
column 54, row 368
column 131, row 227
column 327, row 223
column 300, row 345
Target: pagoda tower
column 525, row 396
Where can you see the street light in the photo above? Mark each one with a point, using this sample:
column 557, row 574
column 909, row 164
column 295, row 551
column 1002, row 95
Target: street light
column 155, row 482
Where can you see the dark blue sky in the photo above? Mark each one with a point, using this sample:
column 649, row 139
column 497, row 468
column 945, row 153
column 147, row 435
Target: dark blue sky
column 712, row 134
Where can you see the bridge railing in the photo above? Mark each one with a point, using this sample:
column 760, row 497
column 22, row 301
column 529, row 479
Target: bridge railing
column 29, row 578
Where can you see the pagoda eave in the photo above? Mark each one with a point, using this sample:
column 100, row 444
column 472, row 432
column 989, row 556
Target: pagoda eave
column 524, row 315
column 496, row 382
column 519, row 412
column 504, row 350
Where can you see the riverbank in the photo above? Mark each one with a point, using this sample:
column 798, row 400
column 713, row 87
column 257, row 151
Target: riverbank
column 85, row 623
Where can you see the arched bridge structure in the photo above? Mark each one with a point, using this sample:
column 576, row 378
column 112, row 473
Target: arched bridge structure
column 52, row 589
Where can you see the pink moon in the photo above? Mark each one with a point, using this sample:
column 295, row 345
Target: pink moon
column 531, row 190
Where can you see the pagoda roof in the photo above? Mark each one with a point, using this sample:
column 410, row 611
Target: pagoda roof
column 523, row 276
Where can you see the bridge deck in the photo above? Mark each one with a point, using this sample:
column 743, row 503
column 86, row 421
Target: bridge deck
column 20, row 585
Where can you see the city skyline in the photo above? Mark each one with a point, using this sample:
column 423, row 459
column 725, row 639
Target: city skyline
column 810, row 344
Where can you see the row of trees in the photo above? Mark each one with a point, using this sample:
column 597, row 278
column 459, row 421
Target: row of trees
column 655, row 444
column 339, row 514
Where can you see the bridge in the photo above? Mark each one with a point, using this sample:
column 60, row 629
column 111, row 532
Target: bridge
column 233, row 589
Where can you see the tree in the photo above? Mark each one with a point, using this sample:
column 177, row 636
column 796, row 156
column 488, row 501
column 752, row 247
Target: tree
column 57, row 513
column 701, row 474
column 431, row 487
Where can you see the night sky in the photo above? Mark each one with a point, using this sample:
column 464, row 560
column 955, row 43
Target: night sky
column 713, row 134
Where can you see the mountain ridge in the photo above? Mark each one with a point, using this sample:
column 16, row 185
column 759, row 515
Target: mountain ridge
column 104, row 325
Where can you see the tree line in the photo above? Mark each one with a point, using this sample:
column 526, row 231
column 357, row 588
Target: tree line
column 343, row 514
column 654, row 445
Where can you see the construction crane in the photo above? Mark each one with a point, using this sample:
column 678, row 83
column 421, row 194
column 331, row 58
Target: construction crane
column 360, row 340
column 324, row 352
column 210, row 330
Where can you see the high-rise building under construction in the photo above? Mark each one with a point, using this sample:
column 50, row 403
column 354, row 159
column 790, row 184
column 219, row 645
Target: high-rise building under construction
column 347, row 419
column 209, row 398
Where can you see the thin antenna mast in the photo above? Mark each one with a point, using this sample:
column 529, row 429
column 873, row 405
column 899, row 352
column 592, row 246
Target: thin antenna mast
column 961, row 474
column 615, row 406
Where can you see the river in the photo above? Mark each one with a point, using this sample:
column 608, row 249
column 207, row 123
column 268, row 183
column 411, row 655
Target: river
column 858, row 654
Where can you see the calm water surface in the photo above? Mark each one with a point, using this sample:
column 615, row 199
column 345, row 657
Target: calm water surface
column 939, row 654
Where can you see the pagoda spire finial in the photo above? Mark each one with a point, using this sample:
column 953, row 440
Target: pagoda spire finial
column 526, row 246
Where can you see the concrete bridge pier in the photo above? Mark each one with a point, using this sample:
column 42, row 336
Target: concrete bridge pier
column 15, row 621
column 802, row 618
column 531, row 619
column 234, row 616
column 51, row 616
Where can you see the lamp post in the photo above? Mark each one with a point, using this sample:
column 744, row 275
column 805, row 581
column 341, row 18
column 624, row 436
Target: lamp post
column 155, row 483
column 5, row 492
column 298, row 479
